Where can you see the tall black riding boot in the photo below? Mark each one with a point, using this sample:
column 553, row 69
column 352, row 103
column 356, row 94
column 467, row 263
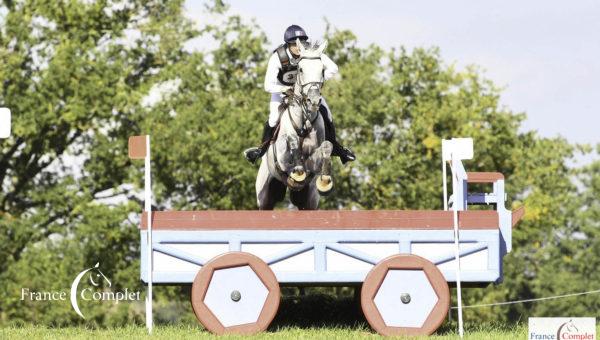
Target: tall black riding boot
column 345, row 154
column 254, row 153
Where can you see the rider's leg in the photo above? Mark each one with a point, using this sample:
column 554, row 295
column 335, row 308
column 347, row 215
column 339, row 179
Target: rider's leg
column 276, row 99
column 343, row 153
column 254, row 153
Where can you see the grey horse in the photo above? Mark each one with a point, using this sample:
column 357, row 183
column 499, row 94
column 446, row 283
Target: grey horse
column 300, row 158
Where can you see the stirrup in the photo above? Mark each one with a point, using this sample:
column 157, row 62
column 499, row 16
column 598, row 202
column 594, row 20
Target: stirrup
column 349, row 154
column 252, row 154
column 346, row 155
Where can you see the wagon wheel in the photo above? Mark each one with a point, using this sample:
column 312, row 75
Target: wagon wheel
column 235, row 293
column 405, row 295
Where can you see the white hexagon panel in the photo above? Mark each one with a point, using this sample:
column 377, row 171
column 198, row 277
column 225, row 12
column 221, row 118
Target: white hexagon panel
column 231, row 284
column 396, row 313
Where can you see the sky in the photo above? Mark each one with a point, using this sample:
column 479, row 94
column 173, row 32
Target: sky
column 544, row 54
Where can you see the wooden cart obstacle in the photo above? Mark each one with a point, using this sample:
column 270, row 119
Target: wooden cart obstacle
column 236, row 260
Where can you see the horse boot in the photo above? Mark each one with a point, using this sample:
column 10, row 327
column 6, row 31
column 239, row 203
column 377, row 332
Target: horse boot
column 254, row 153
column 345, row 154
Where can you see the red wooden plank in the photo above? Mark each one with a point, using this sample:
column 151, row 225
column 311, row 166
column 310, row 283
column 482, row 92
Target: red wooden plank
column 484, row 177
column 517, row 215
column 319, row 219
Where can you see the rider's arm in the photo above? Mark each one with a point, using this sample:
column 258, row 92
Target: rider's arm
column 331, row 69
column 272, row 85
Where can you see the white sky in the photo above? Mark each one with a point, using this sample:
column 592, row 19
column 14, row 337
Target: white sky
column 545, row 54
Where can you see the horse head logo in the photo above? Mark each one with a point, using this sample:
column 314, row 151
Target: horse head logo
column 569, row 326
column 95, row 277
column 95, row 272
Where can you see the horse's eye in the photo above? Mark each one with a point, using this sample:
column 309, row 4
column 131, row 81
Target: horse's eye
column 300, row 70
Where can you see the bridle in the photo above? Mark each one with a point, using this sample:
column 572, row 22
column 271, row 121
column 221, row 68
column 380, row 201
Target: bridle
column 301, row 101
column 318, row 84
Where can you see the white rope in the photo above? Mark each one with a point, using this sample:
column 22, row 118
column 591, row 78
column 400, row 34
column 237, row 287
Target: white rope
column 531, row 300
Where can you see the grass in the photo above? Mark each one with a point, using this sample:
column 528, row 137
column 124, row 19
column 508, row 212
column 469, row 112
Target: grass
column 315, row 316
column 196, row 332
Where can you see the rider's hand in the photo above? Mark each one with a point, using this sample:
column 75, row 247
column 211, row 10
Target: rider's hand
column 289, row 92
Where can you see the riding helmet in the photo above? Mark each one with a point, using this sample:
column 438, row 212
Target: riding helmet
column 294, row 32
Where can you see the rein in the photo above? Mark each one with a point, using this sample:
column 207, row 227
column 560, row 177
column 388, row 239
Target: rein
column 301, row 101
column 301, row 131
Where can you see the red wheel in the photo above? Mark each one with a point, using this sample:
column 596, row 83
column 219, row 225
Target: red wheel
column 405, row 295
column 235, row 293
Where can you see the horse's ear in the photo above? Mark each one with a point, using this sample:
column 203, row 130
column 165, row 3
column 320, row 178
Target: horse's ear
column 322, row 47
column 300, row 46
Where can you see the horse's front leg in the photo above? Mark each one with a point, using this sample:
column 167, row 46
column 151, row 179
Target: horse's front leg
column 322, row 157
column 298, row 174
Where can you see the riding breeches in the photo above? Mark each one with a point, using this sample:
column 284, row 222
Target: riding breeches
column 276, row 99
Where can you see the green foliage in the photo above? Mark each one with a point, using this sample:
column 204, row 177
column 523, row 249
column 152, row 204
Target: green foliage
column 82, row 77
column 73, row 73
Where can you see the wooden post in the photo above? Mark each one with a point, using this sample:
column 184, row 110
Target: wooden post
column 455, row 150
column 139, row 148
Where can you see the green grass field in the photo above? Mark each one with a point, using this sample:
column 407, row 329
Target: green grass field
column 314, row 316
column 187, row 332
column 196, row 332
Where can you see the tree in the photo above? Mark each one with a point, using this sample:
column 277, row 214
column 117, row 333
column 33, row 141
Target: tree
column 74, row 74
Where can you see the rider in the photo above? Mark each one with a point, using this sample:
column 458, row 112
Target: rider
column 280, row 77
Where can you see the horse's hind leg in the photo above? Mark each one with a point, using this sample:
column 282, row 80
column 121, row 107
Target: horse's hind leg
column 269, row 190
column 312, row 200
column 299, row 198
column 305, row 199
column 276, row 191
column 262, row 188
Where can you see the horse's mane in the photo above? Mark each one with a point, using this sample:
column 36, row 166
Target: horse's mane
column 310, row 50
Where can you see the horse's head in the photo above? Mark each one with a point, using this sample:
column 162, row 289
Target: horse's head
column 571, row 326
column 310, row 74
column 96, row 276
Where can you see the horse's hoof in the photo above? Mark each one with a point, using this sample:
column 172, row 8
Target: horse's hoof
column 324, row 185
column 293, row 185
column 298, row 176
